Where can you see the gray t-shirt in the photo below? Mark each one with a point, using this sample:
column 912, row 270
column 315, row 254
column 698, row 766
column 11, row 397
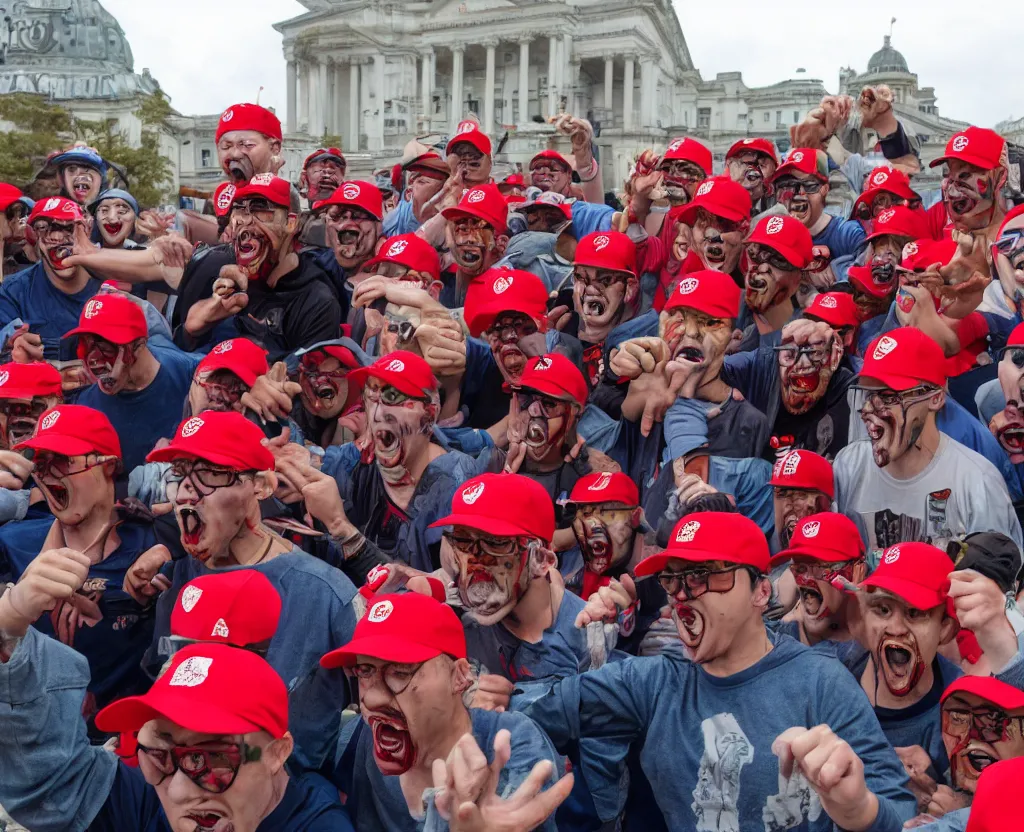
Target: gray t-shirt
column 959, row 492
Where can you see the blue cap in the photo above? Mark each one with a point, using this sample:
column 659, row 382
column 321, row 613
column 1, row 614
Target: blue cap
column 81, row 156
column 114, row 193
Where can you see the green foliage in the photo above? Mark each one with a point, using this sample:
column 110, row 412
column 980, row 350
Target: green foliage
column 42, row 127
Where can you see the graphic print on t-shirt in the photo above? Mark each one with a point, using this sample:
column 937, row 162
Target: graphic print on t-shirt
column 890, row 528
column 795, row 803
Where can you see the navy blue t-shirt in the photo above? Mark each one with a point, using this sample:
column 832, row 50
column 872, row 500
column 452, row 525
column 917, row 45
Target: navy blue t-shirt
column 143, row 417
column 104, row 623
column 134, row 807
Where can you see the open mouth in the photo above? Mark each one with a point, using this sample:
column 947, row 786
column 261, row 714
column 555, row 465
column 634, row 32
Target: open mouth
column 113, row 228
column 799, row 208
column 107, row 383
column 694, row 355
column 812, row 600
column 470, row 255
column 714, row 254
column 58, row 254
column 979, row 760
column 481, row 593
column 882, row 274
column 204, row 820
column 59, row 494
column 537, row 433
column 753, row 176
column 191, row 524
column 899, row 664
column 513, row 360
column 1011, row 438
column 19, row 430
column 392, row 744
column 804, row 382
column 875, row 429
column 241, row 170
column 325, row 392
column 387, row 447
column 690, row 625
column 248, row 247
column 594, row 307
column 757, row 283
column 81, row 187
column 962, row 205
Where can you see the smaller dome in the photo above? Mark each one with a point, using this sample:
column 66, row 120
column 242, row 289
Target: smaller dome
column 888, row 59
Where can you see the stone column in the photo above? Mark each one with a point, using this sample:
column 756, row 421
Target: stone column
column 489, row 87
column 427, row 89
column 377, row 135
column 337, row 111
column 609, row 76
column 552, row 75
column 646, row 75
column 290, row 92
column 524, row 79
column 320, row 101
column 458, row 54
column 303, row 102
column 627, row 95
column 568, row 81
column 575, row 93
column 313, row 84
column 354, row 109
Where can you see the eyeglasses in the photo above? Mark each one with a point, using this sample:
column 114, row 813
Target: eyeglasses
column 789, row 354
column 15, row 409
column 484, row 547
column 587, row 510
column 512, row 328
column 104, row 347
column 347, row 213
column 390, row 396
column 204, row 477
column 762, row 254
column 549, row 407
column 884, row 399
column 602, row 279
column 823, row 571
column 696, row 582
column 684, row 171
column 223, row 390
column 47, row 228
column 55, row 466
column 258, row 209
column 788, row 188
column 987, row 724
column 1016, row 356
column 405, row 330
column 468, row 225
column 550, row 168
column 755, row 160
column 213, row 771
column 397, row 677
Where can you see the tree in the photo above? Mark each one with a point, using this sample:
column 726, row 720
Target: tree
column 40, row 128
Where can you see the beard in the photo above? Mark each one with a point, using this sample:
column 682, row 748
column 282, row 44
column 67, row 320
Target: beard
column 802, row 389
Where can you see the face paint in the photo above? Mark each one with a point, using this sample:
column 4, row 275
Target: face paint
column 472, row 244
column 399, row 331
column 81, row 183
column 107, row 364
column 1008, row 260
column 599, row 296
column 71, row 485
column 805, row 369
column 244, row 153
column 55, row 243
column 680, row 180
column 423, row 188
column 212, row 505
column 546, row 424
column 545, row 219
column 976, row 734
column 259, row 232
column 324, row 384
column 549, row 175
column 696, row 338
column 804, row 195
column 718, row 241
column 18, row 418
column 968, row 193
column 392, row 744
column 884, row 255
column 751, row 169
column 682, row 242
column 354, row 234
column 902, row 638
column 116, row 221
column 819, row 600
column 323, row 178
column 894, row 421
column 503, row 338
column 493, row 572
column 770, row 278
column 400, row 427
column 216, row 390
column 794, row 504
column 605, row 533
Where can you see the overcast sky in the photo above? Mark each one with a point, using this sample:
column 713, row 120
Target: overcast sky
column 208, row 54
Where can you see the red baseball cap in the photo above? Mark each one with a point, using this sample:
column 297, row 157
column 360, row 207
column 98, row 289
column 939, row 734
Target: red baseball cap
column 223, row 197
column 8, row 195
column 26, row 381
column 249, row 117
column 429, row 163
column 759, row 145
column 411, row 251
column 720, row 196
column 607, row 250
column 403, row 370
column 55, row 208
column 515, row 180
column 990, row 689
column 712, row 535
column 505, row 505
column 605, row 487
column 74, row 430
column 270, row 187
column 918, row 255
column 690, row 150
column 406, row 628
column 555, row 375
column 834, row 308
column 209, row 689
column 241, row 356
column 239, row 607
column 860, row 276
column 804, row 470
column 364, row 195
column 325, row 154
column 996, row 799
column 804, row 160
column 549, row 199
column 713, row 293
column 786, row 235
column 113, row 318
column 916, row 572
column 469, row 131
column 501, row 290
column 1016, row 338
column 904, row 358
column 1012, row 214
column 977, row 146
column 221, row 437
column 885, row 180
column 551, row 156
column 827, row 536
column 899, row 221
column 484, row 202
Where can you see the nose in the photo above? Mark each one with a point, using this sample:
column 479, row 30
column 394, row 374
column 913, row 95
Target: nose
column 187, row 493
column 690, row 328
column 373, row 694
column 535, row 409
column 180, row 789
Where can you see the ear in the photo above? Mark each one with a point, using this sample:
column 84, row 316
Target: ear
column 265, row 483
column 277, row 753
column 950, row 627
column 500, row 243
column 434, row 289
column 636, row 517
column 632, row 290
column 860, row 571
column 542, row 561
column 825, row 189
column 275, row 147
column 462, row 676
column 937, row 402
column 293, row 224
column 762, row 592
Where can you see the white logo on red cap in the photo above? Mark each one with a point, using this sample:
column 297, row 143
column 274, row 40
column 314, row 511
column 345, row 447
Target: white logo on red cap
column 601, row 242
column 774, row 225
column 797, row 157
column 380, row 611
column 602, row 483
column 220, row 629
column 892, row 554
column 910, row 249
column 476, row 195
column 49, row 421
column 880, row 177
column 225, row 196
column 790, row 463
column 223, row 347
column 472, row 494
column 465, row 127
column 884, row 346
column 51, row 203
column 828, row 303
column 678, row 143
column 395, row 366
column 687, row 532
column 3, row 377
column 191, row 673
column 379, row 572
column 705, row 188
column 92, row 308
column 811, row 528
column 190, row 596
column 749, row 141
column 191, row 427
column 688, row 285
column 397, row 248
column 960, row 142
column 228, row 115
column 263, row 179
column 542, row 364
column 501, row 284
column 886, row 216
column 350, row 190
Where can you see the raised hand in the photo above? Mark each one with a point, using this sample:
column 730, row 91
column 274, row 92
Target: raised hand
column 493, row 693
column 143, row 580
column 605, row 605
column 15, row 470
column 981, row 608
column 54, row 576
column 26, row 346
column 271, row 394
column 875, row 108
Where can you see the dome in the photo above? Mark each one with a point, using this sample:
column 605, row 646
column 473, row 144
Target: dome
column 888, row 59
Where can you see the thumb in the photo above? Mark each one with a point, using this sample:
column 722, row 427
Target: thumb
column 628, row 584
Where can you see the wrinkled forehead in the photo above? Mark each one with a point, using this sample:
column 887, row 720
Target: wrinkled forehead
column 243, row 137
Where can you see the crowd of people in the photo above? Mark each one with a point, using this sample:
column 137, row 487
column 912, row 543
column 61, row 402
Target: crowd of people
column 461, row 501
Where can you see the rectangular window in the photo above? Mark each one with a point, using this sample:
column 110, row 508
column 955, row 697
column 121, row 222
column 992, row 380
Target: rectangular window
column 204, row 156
column 703, row 117
column 767, row 117
column 796, row 116
column 778, row 117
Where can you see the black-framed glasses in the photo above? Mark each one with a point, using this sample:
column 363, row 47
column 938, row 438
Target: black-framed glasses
column 760, row 254
column 505, row 327
column 753, row 159
column 205, row 478
column 823, row 571
column 348, row 213
column 886, row 399
column 229, row 390
column 47, row 228
column 787, row 188
column 685, row 171
column 53, row 466
column 390, row 396
column 606, row 512
column 107, row 349
column 213, row 770
column 789, row 354
column 987, row 724
column 696, row 582
column 258, row 209
column 396, row 677
column 549, row 406
column 1016, row 356
column 14, row 409
column 483, row 546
